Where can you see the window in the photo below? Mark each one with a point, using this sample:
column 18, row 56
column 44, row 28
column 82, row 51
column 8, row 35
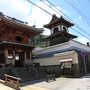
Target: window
column 64, row 29
column 17, row 57
column 18, row 39
column 55, row 30
column 10, row 54
column 66, row 64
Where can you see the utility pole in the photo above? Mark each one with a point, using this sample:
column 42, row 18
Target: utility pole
column 83, row 55
column 84, row 65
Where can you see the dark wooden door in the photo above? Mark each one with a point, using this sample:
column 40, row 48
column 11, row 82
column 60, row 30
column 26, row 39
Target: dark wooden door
column 20, row 61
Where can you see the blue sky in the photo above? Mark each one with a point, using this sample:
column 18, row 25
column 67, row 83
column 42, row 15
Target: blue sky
column 25, row 11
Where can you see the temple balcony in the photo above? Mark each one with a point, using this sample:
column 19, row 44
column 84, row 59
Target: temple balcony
column 4, row 41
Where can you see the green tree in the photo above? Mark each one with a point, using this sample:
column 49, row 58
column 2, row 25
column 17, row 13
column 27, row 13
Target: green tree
column 38, row 41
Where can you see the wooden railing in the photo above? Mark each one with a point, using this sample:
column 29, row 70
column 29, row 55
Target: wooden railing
column 15, row 42
column 14, row 81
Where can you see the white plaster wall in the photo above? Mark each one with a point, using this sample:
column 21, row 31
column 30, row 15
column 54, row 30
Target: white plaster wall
column 47, row 61
column 59, row 27
column 55, row 60
column 73, row 56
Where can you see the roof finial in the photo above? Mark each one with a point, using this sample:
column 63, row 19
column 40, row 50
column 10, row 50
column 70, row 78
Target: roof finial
column 54, row 16
column 61, row 16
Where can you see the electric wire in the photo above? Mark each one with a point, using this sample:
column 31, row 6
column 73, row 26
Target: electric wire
column 69, row 18
column 39, row 7
column 59, row 11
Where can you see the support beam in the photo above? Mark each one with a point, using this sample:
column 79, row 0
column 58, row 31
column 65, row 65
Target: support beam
column 14, row 57
column 31, row 58
column 6, row 56
column 30, row 55
column 25, row 57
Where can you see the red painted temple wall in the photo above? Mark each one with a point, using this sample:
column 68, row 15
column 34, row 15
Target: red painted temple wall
column 10, row 36
column 26, row 38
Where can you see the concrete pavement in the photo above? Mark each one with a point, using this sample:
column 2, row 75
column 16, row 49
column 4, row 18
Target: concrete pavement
column 4, row 87
column 66, row 84
column 61, row 83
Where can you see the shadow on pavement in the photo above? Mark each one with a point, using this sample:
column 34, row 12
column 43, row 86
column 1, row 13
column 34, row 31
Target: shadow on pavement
column 32, row 82
column 86, row 76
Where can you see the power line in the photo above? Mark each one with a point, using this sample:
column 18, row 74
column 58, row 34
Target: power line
column 52, row 15
column 50, row 7
column 83, row 8
column 68, row 17
column 60, row 11
column 39, row 7
column 57, row 8
column 60, row 14
column 79, row 33
column 78, row 11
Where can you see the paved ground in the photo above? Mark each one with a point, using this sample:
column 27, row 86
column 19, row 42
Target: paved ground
column 28, row 87
column 25, row 87
column 53, row 85
column 3, row 87
column 60, row 84
column 31, row 87
column 64, row 83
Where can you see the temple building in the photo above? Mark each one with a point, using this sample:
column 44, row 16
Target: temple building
column 15, row 46
column 59, row 30
column 63, row 55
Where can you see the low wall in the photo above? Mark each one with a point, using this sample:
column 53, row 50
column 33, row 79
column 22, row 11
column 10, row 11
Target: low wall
column 52, row 69
column 2, row 72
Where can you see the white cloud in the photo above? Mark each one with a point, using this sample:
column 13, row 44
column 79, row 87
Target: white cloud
column 15, row 8
column 83, row 40
column 23, row 10
column 40, row 18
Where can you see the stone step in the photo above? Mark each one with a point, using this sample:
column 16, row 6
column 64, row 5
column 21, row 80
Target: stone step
column 27, row 74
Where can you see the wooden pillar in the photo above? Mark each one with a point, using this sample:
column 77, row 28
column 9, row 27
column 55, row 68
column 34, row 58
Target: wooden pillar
column 25, row 59
column 6, row 56
column 14, row 57
column 30, row 55
column 31, row 62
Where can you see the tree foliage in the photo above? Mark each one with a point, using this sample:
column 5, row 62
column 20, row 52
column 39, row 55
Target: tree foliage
column 38, row 41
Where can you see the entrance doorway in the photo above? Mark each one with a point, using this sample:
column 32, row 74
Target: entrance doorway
column 66, row 66
column 19, row 59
